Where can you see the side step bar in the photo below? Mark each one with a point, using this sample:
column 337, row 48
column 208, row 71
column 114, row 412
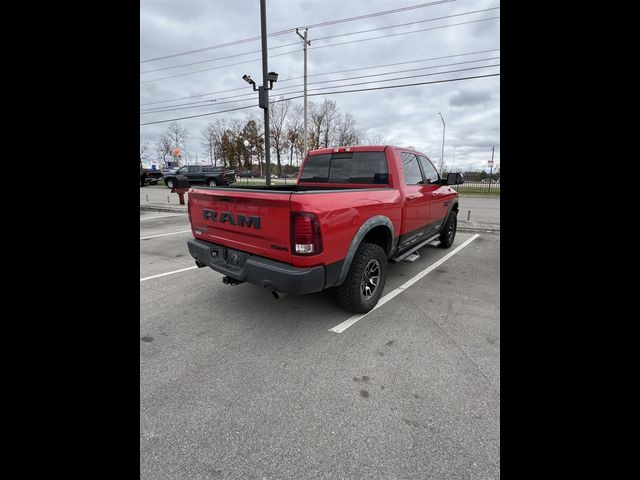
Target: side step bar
column 433, row 241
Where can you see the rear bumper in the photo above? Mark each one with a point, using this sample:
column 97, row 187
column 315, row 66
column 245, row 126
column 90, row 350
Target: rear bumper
column 267, row 273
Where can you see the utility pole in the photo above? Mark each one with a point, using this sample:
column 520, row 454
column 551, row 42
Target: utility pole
column 305, row 42
column 442, row 156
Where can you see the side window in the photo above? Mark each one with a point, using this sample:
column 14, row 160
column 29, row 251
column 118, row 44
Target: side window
column 430, row 172
column 181, row 170
column 412, row 175
column 193, row 169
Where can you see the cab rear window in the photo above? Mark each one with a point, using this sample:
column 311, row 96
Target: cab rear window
column 347, row 167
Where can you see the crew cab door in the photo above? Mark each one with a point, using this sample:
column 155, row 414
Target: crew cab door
column 417, row 206
column 440, row 196
column 195, row 174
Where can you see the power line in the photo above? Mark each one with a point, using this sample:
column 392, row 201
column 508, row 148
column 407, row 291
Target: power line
column 406, row 77
column 392, row 64
column 207, row 103
column 321, row 38
column 326, row 73
column 405, row 33
column 216, row 59
column 216, row 68
column 408, row 23
column 326, row 93
column 321, row 46
column 290, row 30
column 201, row 115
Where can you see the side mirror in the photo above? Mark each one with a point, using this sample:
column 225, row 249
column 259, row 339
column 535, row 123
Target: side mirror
column 454, row 179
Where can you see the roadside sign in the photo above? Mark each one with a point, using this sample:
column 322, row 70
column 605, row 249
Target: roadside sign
column 176, row 151
column 491, row 163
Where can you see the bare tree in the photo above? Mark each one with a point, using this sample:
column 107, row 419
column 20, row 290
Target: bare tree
column 346, row 133
column 295, row 128
column 329, row 121
column 316, row 115
column 177, row 136
column 209, row 137
column 145, row 151
column 374, row 140
column 163, row 147
column 277, row 132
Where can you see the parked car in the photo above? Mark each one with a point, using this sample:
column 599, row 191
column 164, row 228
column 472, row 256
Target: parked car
column 248, row 174
column 202, row 174
column 351, row 211
column 486, row 180
column 169, row 171
column 148, row 176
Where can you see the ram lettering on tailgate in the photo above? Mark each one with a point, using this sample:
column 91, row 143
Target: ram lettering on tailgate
column 227, row 217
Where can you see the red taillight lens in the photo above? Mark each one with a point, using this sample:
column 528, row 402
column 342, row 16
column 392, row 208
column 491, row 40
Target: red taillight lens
column 305, row 234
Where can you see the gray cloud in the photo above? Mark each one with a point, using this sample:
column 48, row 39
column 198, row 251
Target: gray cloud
column 409, row 114
column 469, row 97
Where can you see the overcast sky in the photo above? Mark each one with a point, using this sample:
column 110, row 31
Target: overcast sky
column 407, row 116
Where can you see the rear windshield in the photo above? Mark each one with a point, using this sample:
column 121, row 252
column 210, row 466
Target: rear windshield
column 348, row 167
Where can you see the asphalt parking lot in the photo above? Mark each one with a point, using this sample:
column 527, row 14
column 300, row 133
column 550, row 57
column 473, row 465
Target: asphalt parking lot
column 235, row 384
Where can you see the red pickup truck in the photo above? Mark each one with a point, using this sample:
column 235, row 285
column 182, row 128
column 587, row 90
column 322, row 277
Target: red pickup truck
column 351, row 210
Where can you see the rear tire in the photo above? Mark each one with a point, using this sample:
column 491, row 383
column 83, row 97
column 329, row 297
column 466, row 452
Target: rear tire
column 169, row 182
column 362, row 288
column 448, row 233
column 212, row 182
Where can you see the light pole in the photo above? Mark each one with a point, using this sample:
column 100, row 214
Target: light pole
column 263, row 90
column 444, row 127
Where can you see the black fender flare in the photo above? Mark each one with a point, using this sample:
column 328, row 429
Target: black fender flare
column 454, row 203
column 365, row 228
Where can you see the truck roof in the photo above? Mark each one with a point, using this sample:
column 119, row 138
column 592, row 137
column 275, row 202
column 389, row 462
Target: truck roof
column 356, row 148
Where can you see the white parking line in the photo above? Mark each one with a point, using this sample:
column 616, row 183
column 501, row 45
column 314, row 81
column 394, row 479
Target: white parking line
column 168, row 273
column 389, row 296
column 164, row 216
column 165, row 234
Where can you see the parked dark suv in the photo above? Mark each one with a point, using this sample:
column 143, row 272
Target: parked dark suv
column 207, row 174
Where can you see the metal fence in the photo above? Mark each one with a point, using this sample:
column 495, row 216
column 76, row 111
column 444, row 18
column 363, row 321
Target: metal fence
column 478, row 182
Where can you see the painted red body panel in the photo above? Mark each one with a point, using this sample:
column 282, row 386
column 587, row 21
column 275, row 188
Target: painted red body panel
column 340, row 214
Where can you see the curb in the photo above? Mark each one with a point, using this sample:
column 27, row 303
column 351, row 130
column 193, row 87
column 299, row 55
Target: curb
column 164, row 208
column 478, row 227
column 478, row 230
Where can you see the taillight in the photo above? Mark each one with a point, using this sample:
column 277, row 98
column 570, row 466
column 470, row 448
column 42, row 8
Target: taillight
column 305, row 234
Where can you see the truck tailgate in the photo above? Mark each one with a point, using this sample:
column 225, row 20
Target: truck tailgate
column 254, row 222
